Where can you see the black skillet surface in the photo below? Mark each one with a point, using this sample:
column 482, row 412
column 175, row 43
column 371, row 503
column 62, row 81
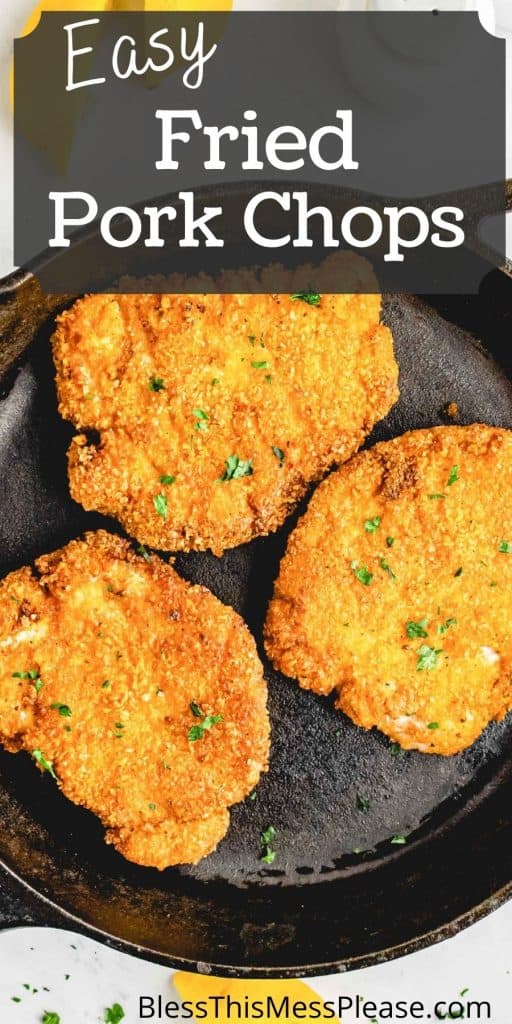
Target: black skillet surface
column 321, row 906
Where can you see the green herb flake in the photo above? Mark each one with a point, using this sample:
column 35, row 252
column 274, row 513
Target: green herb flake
column 387, row 568
column 160, row 503
column 445, row 626
column 33, row 676
column 279, row 454
column 15, row 999
column 453, row 477
column 114, row 1014
column 458, row 572
column 268, row 855
column 167, row 480
column 505, row 547
column 152, row 807
column 427, row 658
column 363, row 803
column 261, row 364
column 268, row 378
column 105, row 685
column 433, row 725
column 395, row 750
column 390, row 541
column 47, row 766
column 156, row 384
column 143, row 552
column 362, row 574
column 202, row 419
column 434, row 497
column 371, row 525
column 416, row 629
column 50, row 1017
column 63, row 709
column 197, row 732
column 236, row 468
column 312, row 298
column 398, row 841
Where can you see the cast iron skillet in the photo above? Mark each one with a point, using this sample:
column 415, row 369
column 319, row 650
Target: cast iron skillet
column 321, row 907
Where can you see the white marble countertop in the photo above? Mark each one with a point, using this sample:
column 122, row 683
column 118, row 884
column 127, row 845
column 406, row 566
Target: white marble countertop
column 78, row 978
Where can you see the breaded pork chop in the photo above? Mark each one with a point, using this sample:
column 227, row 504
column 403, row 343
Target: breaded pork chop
column 142, row 694
column 215, row 412
column 396, row 588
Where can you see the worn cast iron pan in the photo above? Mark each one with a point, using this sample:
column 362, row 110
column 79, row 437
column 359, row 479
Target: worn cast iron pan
column 320, row 907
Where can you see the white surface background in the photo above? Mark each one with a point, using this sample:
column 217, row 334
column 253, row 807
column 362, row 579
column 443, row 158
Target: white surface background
column 479, row 958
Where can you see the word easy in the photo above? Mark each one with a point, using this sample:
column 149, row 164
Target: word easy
column 189, row 47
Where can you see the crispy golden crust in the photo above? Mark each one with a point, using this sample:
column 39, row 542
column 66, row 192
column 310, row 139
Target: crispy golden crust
column 238, row 375
column 433, row 687
column 122, row 648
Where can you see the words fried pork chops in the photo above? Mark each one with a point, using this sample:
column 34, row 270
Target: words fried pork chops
column 396, row 588
column 144, row 696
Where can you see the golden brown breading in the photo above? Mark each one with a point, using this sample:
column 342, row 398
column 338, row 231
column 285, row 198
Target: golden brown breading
column 396, row 587
column 107, row 662
column 265, row 390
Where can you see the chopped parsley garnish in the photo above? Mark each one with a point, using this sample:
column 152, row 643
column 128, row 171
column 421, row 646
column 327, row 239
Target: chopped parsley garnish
column 268, row 377
column 156, row 384
column 416, row 629
column 279, row 454
column 63, row 709
column 432, row 496
column 114, row 1014
column 371, row 525
column 262, row 364
column 202, row 419
column 433, row 725
column 267, row 841
column 40, row 759
column 390, row 541
column 445, row 626
column 458, row 572
column 152, row 807
column 105, row 685
column 453, row 477
column 395, row 749
column 362, row 574
column 141, row 550
column 505, row 547
column 160, row 503
column 237, row 468
column 196, row 732
column 215, row 380
column 50, row 1017
column 119, row 734
column 427, row 658
column 363, row 803
column 398, row 841
column 387, row 568
column 167, row 480
column 312, row 298
column 34, row 677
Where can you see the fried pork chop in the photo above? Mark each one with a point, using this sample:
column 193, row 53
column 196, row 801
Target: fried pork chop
column 213, row 413
column 141, row 694
column 396, row 588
